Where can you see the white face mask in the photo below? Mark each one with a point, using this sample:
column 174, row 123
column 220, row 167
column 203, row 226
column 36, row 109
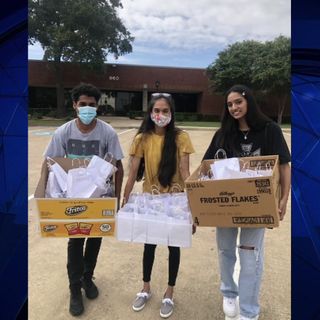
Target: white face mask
column 160, row 120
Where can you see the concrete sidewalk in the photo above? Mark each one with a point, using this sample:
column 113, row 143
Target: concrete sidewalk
column 119, row 270
column 126, row 123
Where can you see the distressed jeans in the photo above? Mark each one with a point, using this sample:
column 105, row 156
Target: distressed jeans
column 251, row 266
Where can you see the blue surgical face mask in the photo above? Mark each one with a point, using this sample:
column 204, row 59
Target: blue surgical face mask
column 87, row 114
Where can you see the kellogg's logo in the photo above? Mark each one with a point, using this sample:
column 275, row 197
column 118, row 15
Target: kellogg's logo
column 75, row 210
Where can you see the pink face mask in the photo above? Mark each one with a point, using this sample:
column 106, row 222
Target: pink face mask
column 160, row 120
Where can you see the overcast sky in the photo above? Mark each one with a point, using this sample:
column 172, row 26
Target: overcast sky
column 190, row 33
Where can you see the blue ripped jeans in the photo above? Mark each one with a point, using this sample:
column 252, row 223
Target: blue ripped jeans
column 251, row 266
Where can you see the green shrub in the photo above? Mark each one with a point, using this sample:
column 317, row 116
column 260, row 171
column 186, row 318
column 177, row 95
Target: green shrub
column 105, row 110
column 210, row 117
column 132, row 114
column 52, row 113
column 36, row 115
column 187, row 116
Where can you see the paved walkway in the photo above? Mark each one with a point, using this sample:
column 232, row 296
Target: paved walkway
column 118, row 272
column 124, row 122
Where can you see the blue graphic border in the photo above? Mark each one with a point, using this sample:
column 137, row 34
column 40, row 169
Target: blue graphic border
column 13, row 159
column 305, row 163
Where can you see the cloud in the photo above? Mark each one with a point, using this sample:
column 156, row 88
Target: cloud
column 190, row 33
column 35, row 51
column 192, row 24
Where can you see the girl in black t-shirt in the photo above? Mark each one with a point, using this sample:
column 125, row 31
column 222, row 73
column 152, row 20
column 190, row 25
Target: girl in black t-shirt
column 246, row 131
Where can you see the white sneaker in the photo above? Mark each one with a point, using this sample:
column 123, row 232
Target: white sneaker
column 230, row 307
column 246, row 318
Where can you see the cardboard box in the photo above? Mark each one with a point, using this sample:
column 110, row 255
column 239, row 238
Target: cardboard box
column 246, row 202
column 73, row 218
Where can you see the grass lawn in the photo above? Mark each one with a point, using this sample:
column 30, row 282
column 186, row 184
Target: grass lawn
column 214, row 124
column 59, row 122
column 46, row 122
column 204, row 124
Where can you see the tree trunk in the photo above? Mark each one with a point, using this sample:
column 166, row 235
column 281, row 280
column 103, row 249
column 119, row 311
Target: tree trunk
column 280, row 113
column 61, row 108
column 281, row 106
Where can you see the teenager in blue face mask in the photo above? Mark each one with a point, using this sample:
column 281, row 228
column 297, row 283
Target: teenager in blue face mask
column 84, row 137
column 86, row 108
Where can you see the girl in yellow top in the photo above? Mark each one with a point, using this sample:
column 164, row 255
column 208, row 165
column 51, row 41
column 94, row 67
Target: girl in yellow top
column 162, row 151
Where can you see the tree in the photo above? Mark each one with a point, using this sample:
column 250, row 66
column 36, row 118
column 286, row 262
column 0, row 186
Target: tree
column 273, row 71
column 82, row 31
column 234, row 65
column 265, row 67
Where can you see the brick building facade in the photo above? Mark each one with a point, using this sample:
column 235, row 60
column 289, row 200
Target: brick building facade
column 128, row 87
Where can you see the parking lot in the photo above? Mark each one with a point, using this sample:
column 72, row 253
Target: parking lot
column 119, row 270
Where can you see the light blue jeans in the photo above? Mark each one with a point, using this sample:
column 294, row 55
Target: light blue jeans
column 251, row 266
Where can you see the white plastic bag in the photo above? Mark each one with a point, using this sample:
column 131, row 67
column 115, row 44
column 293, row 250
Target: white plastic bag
column 124, row 223
column 179, row 233
column 53, row 189
column 156, row 219
column 80, row 184
column 234, row 174
column 139, row 231
column 157, row 231
column 218, row 167
column 59, row 173
column 100, row 169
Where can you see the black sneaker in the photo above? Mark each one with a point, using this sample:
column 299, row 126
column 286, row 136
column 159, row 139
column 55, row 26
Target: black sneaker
column 90, row 288
column 76, row 304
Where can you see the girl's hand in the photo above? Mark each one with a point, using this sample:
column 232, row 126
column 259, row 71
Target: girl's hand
column 282, row 208
column 124, row 201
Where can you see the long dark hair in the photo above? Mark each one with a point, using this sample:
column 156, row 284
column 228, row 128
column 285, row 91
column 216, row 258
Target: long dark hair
column 168, row 162
column 255, row 118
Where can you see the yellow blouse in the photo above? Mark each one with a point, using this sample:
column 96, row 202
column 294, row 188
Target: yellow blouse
column 150, row 147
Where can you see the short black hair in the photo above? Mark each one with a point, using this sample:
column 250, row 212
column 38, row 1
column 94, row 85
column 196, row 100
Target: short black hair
column 85, row 89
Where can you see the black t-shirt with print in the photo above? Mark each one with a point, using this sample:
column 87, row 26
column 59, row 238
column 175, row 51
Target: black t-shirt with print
column 269, row 141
